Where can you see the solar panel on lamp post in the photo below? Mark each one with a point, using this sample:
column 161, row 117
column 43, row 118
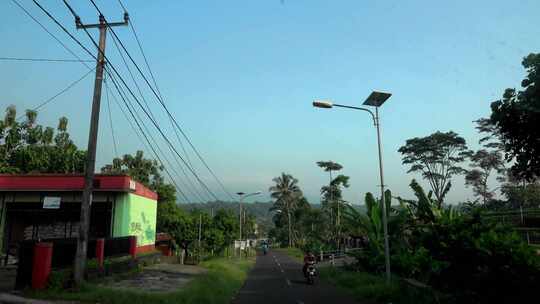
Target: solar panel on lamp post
column 375, row 99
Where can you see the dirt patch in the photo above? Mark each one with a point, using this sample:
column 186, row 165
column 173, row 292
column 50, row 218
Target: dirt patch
column 159, row 278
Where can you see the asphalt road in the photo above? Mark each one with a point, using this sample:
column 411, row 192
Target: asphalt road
column 276, row 278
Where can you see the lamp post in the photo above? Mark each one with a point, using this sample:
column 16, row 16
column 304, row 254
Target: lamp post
column 375, row 99
column 242, row 197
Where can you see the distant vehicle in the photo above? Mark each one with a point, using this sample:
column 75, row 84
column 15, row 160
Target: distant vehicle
column 311, row 273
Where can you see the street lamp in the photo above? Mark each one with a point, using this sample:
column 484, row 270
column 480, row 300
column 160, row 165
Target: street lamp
column 375, row 99
column 242, row 197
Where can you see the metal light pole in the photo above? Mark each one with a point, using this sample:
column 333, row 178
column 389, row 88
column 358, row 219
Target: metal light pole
column 242, row 197
column 375, row 99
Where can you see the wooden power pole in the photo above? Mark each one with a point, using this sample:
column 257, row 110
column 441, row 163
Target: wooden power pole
column 82, row 240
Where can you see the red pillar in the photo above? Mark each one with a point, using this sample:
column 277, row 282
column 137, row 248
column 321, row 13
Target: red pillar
column 100, row 251
column 133, row 246
column 41, row 267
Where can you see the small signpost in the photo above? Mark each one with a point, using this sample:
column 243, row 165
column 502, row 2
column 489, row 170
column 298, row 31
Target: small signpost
column 51, row 202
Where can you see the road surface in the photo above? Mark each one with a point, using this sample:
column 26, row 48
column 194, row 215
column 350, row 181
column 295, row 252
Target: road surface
column 276, row 278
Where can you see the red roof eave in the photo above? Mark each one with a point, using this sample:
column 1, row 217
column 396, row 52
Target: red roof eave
column 72, row 182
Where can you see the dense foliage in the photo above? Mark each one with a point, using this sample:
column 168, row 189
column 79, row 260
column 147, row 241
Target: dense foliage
column 515, row 118
column 475, row 260
column 27, row 147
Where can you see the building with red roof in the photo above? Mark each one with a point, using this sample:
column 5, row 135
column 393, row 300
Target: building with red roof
column 47, row 206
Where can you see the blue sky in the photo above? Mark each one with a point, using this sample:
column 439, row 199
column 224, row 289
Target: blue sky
column 240, row 77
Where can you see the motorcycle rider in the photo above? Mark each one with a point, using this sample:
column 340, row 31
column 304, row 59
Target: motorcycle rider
column 309, row 259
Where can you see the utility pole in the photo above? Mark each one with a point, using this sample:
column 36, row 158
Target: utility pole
column 82, row 240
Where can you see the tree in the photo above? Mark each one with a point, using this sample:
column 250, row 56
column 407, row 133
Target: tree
column 28, row 147
column 332, row 196
column 329, row 166
column 521, row 193
column 437, row 158
column 227, row 221
column 286, row 193
column 484, row 163
column 145, row 171
column 333, row 203
column 516, row 118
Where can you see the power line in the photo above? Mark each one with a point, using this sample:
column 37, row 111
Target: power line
column 50, row 99
column 110, row 116
column 49, row 32
column 204, row 187
column 137, row 100
column 133, row 77
column 145, row 136
column 42, row 59
column 64, row 29
column 122, row 80
column 155, row 82
column 163, row 105
column 153, row 117
column 68, row 49
column 74, row 39
column 144, row 129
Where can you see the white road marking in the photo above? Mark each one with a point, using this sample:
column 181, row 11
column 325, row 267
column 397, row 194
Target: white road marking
column 282, row 270
column 299, row 302
column 288, row 282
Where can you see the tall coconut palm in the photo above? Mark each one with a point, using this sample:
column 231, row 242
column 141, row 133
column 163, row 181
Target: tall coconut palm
column 286, row 192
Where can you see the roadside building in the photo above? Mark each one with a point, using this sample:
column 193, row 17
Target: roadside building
column 47, row 206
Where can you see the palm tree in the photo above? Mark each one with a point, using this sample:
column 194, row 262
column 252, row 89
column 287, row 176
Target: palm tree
column 286, row 192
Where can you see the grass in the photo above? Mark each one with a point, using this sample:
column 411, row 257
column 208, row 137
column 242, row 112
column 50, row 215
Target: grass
column 365, row 286
column 219, row 285
column 293, row 252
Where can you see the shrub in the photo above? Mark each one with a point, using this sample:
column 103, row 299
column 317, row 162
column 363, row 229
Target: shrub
column 60, row 279
column 478, row 262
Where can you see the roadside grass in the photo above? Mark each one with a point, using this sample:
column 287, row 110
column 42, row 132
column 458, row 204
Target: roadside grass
column 365, row 286
column 224, row 278
column 295, row 253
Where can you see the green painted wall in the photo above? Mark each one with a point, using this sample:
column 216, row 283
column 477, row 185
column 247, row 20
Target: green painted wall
column 135, row 215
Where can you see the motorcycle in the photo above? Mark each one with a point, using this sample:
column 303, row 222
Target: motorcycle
column 311, row 273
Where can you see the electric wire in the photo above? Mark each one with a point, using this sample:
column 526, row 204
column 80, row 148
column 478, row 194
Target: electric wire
column 145, row 111
column 161, row 102
column 50, row 99
column 115, row 71
column 49, row 32
column 64, row 29
column 115, row 148
column 123, row 83
column 144, row 130
column 42, row 59
column 180, row 142
column 153, row 117
column 146, row 137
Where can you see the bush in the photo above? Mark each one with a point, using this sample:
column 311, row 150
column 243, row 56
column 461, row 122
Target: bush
column 60, row 279
column 418, row 264
column 476, row 261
